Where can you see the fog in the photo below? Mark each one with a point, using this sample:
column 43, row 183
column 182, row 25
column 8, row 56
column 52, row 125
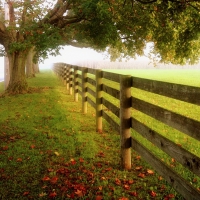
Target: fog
column 92, row 59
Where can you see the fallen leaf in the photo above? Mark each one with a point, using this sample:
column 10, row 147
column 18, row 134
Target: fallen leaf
column 123, row 198
column 134, row 194
column 153, row 194
column 32, row 146
column 5, row 148
column 79, row 193
column 52, row 194
column 138, row 168
column 99, row 198
column 142, row 175
column 130, row 182
column 26, row 193
column 56, row 153
column 126, row 187
column 81, row 160
column 73, row 162
column 46, row 178
column 42, row 194
column 149, row 171
column 54, row 180
column 19, row 159
column 117, row 181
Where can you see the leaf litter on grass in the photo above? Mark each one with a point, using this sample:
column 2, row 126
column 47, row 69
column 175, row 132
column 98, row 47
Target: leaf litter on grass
column 50, row 150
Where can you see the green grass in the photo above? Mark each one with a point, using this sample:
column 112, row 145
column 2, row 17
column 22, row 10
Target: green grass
column 50, row 149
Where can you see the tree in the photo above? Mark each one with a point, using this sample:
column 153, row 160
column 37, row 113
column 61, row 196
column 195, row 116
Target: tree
column 121, row 27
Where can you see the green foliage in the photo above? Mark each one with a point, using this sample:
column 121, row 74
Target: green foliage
column 123, row 28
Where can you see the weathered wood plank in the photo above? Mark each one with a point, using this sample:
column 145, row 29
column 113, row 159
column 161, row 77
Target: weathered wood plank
column 184, row 124
column 114, row 109
column 79, row 91
column 91, row 102
column 111, row 91
column 113, row 124
column 89, row 90
column 91, row 81
column 92, row 71
column 79, row 76
column 176, row 181
column 79, row 83
column 185, row 93
column 111, row 76
column 187, row 159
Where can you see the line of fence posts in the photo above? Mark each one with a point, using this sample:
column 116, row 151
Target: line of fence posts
column 126, row 141
column 70, row 78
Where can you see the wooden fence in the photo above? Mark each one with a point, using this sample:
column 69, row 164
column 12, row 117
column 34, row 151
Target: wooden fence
column 77, row 79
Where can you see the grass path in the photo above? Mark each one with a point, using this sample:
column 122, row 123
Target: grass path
column 50, row 150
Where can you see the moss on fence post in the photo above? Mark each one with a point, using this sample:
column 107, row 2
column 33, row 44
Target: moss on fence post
column 125, row 121
column 99, row 100
column 84, row 90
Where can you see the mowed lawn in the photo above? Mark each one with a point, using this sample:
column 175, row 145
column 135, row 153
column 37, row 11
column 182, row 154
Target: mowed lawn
column 49, row 149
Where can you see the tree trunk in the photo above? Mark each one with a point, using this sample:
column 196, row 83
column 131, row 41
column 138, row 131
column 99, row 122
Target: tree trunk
column 30, row 65
column 18, row 83
column 36, row 68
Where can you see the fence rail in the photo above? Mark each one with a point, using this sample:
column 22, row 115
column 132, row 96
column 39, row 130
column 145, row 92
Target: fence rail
column 76, row 77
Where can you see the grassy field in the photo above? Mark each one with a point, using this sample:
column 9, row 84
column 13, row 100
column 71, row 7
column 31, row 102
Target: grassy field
column 50, row 150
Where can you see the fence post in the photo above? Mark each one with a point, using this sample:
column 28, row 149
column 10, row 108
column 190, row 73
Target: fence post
column 75, row 83
column 65, row 74
column 70, row 80
column 99, row 100
column 125, row 121
column 84, row 90
column 67, row 77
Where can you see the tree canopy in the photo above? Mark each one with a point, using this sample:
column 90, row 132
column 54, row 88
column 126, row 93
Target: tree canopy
column 121, row 27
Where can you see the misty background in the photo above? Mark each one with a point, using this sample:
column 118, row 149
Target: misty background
column 92, row 59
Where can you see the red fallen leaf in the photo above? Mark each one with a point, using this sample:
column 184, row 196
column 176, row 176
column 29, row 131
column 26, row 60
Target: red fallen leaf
column 81, row 160
column 117, row 181
column 194, row 180
column 101, row 154
column 32, row 146
column 19, row 159
column 126, row 187
column 138, row 157
column 149, row 171
column 46, row 178
column 10, row 158
column 134, row 194
column 26, row 193
column 52, row 194
column 130, row 182
column 73, row 162
column 111, row 188
column 141, row 175
column 54, row 180
column 79, row 193
column 123, row 198
column 170, row 196
column 5, row 148
column 99, row 198
column 153, row 194
column 108, row 169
